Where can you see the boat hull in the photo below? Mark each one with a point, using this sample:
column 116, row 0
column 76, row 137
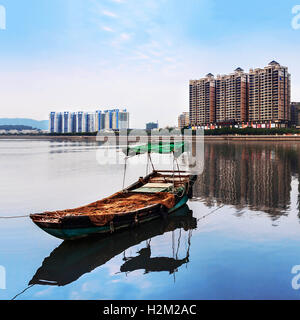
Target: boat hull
column 80, row 232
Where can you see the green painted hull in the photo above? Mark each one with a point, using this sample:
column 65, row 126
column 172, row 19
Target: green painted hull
column 70, row 234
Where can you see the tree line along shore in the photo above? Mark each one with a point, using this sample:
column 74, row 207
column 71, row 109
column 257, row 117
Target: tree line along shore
column 227, row 134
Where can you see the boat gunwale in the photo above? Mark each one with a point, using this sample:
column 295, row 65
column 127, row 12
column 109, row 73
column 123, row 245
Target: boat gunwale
column 61, row 218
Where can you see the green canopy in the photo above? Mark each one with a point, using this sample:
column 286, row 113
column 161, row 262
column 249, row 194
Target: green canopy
column 173, row 147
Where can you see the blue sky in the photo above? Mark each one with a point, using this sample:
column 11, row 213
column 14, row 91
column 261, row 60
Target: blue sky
column 89, row 54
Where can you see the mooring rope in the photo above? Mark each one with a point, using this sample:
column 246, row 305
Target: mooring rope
column 124, row 176
column 15, row 297
column 211, row 212
column 15, row 217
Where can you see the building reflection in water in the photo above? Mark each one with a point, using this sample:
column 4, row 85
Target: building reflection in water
column 257, row 176
column 72, row 259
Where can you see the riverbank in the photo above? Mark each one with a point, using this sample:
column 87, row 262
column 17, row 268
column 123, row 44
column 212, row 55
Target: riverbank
column 207, row 138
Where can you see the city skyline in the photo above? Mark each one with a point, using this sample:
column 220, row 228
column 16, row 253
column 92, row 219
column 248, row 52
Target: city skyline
column 76, row 53
column 86, row 121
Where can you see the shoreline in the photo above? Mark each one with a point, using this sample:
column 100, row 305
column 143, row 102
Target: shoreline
column 206, row 138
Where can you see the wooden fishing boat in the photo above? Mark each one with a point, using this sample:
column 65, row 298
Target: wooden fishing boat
column 155, row 196
column 72, row 259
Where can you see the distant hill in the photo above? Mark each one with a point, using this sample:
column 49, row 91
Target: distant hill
column 15, row 127
column 42, row 125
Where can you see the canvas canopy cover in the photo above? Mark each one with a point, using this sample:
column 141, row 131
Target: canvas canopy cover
column 163, row 148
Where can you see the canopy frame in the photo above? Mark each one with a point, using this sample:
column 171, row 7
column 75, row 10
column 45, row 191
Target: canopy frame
column 155, row 148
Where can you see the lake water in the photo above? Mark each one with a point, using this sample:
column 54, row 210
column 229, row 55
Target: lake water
column 238, row 238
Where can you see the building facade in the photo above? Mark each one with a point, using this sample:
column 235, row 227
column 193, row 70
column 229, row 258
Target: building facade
column 152, row 125
column 295, row 114
column 89, row 122
column 123, row 120
column 184, row 120
column 231, row 97
column 66, row 128
column 202, row 100
column 81, row 122
column 269, row 94
column 58, row 122
column 99, row 120
column 260, row 98
column 52, row 122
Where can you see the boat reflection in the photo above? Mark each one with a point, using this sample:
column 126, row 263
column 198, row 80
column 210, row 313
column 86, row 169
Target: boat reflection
column 144, row 262
column 72, row 259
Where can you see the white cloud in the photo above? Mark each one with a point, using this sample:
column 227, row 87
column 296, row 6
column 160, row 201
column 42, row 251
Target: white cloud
column 108, row 29
column 109, row 14
column 125, row 36
column 138, row 23
column 139, row 56
column 169, row 59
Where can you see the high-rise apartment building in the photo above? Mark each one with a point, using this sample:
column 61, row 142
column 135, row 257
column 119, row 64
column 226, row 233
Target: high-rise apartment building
column 122, row 121
column 80, row 123
column 269, row 94
column 260, row 98
column 72, row 122
column 231, row 97
column 202, row 100
column 99, row 120
column 89, row 122
column 66, row 128
column 58, row 122
column 52, row 122
column 108, row 119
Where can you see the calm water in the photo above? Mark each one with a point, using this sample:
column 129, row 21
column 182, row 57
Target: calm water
column 238, row 238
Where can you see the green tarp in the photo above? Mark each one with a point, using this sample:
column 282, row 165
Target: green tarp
column 163, row 148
